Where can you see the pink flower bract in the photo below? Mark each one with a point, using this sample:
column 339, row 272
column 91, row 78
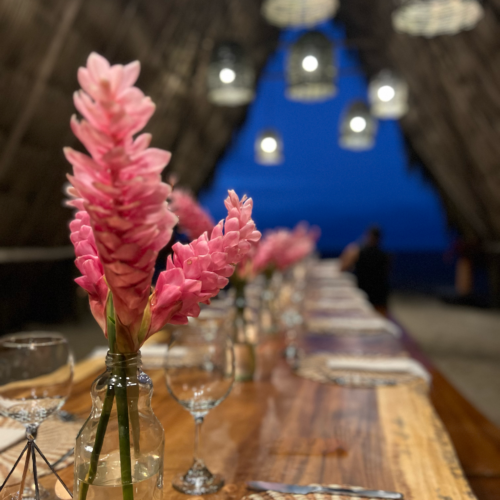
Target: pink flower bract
column 281, row 248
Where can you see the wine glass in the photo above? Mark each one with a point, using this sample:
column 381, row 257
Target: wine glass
column 36, row 371
column 199, row 370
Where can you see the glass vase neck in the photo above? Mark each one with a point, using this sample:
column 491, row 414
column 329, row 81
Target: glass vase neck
column 117, row 360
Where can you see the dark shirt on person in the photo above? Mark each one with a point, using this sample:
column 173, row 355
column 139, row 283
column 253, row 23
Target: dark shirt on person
column 372, row 272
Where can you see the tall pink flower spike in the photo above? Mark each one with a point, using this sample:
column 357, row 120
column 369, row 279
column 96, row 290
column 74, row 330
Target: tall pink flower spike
column 193, row 219
column 123, row 219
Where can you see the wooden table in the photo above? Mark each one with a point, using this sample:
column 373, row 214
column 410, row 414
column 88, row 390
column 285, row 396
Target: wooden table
column 475, row 439
column 289, row 429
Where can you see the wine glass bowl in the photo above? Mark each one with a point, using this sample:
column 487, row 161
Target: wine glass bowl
column 36, row 372
column 199, row 371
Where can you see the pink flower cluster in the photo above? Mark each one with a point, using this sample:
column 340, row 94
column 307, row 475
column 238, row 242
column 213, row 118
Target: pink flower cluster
column 282, row 248
column 123, row 219
column 199, row 270
column 88, row 263
column 193, row 219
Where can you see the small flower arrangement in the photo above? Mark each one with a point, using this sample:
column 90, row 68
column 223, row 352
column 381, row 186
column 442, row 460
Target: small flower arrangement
column 281, row 248
column 123, row 220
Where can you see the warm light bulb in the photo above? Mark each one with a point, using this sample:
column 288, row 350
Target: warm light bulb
column 357, row 124
column 386, row 93
column 310, row 63
column 227, row 75
column 269, row 144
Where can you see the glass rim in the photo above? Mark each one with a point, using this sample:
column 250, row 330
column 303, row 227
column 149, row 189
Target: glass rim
column 38, row 338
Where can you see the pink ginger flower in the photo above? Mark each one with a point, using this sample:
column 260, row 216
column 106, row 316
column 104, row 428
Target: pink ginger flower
column 193, row 219
column 197, row 271
column 283, row 248
column 301, row 243
column 120, row 183
column 123, row 219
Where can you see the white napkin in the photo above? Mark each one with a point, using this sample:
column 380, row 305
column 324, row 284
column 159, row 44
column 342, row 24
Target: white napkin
column 9, row 436
column 383, row 365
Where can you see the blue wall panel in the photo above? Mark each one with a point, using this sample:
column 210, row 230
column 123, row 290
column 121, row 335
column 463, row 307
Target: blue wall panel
column 341, row 191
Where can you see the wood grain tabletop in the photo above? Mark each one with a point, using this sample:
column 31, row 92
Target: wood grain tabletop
column 285, row 428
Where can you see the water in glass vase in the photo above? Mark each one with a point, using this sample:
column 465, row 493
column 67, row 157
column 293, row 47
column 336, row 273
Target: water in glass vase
column 147, row 481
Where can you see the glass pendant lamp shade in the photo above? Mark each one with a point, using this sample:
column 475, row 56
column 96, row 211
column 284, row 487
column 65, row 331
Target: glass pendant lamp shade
column 311, row 70
column 231, row 77
column 269, row 148
column 388, row 95
column 285, row 13
column 357, row 128
column 431, row 18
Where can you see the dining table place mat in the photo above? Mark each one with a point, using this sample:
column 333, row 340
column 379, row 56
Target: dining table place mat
column 55, row 439
column 334, row 293
column 275, row 495
column 345, row 325
column 328, row 304
column 362, row 371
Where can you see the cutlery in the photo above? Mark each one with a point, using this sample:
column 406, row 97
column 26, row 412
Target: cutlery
column 304, row 490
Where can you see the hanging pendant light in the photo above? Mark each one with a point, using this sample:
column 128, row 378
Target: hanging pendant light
column 310, row 70
column 357, row 128
column 231, row 77
column 285, row 13
column 268, row 148
column 388, row 95
column 431, row 18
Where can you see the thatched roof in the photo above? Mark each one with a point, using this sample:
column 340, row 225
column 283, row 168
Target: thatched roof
column 41, row 46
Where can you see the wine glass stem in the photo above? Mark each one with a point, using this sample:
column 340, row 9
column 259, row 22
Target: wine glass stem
column 198, row 421
column 31, row 431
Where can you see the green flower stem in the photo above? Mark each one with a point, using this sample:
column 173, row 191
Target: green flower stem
column 133, row 390
column 124, row 434
column 99, row 440
column 117, row 387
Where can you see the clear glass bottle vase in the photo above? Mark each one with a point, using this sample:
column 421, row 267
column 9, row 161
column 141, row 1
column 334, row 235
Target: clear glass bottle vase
column 119, row 450
column 268, row 311
column 244, row 336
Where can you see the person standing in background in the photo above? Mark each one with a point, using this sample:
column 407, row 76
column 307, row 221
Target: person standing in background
column 370, row 264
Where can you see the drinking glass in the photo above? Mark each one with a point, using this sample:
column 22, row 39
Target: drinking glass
column 199, row 369
column 36, row 371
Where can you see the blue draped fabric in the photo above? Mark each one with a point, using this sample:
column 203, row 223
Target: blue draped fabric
column 341, row 191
